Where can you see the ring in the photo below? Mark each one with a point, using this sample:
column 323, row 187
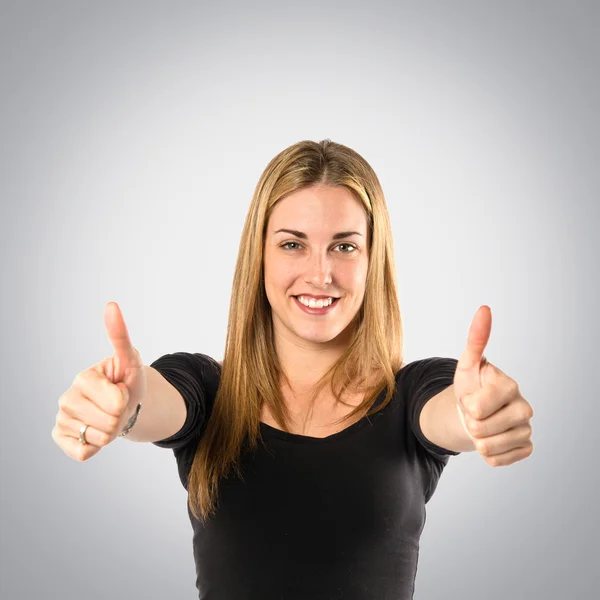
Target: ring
column 82, row 434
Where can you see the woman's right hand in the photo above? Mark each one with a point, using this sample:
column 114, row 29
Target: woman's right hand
column 104, row 396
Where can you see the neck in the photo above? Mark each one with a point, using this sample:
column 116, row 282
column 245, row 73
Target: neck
column 305, row 363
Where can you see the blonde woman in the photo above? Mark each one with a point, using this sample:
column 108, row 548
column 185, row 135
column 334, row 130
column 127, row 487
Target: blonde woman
column 309, row 452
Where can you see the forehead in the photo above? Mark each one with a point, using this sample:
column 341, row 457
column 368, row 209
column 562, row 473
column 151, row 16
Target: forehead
column 319, row 208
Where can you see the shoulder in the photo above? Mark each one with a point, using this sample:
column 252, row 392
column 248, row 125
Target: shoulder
column 427, row 367
column 195, row 364
column 183, row 357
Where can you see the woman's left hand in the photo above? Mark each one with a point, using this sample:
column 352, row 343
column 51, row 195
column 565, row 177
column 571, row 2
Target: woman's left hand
column 490, row 405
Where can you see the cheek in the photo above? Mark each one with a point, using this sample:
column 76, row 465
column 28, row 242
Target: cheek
column 278, row 274
column 354, row 275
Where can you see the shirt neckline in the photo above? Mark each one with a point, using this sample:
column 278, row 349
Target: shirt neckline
column 309, row 439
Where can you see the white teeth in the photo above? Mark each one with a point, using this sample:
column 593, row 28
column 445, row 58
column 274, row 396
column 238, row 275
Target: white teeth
column 312, row 303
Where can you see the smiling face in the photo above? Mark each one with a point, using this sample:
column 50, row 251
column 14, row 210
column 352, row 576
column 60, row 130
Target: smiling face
column 323, row 253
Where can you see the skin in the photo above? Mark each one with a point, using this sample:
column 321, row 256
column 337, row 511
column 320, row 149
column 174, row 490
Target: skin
column 318, row 265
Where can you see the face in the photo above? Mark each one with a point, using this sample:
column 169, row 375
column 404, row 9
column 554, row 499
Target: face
column 322, row 254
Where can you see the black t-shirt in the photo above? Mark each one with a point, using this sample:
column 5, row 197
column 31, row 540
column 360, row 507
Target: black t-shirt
column 328, row 518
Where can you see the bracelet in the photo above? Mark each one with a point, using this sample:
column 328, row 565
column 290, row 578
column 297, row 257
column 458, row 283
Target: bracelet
column 131, row 421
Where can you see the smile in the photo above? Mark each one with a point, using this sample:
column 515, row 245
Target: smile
column 315, row 311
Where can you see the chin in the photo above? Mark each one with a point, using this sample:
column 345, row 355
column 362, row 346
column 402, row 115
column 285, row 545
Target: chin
column 318, row 337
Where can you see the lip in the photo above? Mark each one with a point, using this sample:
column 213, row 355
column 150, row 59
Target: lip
column 313, row 296
column 316, row 311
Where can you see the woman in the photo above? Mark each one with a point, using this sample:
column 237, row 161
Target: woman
column 302, row 451
column 308, row 432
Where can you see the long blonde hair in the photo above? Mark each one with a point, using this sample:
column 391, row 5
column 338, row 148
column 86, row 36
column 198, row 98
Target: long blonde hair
column 251, row 373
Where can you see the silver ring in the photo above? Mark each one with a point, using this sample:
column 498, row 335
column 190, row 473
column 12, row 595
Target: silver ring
column 82, row 434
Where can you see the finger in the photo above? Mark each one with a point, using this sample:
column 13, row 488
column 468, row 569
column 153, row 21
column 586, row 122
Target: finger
column 486, row 401
column 472, row 360
column 95, row 387
column 477, row 338
column 69, row 426
column 504, row 442
column 73, row 447
column 505, row 418
column 510, row 457
column 73, row 414
column 119, row 336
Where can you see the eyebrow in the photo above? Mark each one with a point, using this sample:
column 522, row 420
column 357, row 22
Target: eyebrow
column 303, row 236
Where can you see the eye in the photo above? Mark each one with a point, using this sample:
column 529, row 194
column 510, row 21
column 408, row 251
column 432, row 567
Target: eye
column 287, row 244
column 349, row 246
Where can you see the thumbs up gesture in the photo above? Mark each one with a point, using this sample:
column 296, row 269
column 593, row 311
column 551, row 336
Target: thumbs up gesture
column 103, row 397
column 490, row 405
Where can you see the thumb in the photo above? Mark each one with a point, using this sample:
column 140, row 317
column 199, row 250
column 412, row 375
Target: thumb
column 125, row 355
column 477, row 339
column 468, row 377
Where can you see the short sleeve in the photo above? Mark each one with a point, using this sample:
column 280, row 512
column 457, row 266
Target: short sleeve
column 196, row 376
column 421, row 380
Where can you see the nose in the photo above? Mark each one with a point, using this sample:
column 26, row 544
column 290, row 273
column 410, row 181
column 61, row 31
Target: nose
column 318, row 270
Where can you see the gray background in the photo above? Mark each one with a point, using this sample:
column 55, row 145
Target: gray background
column 132, row 137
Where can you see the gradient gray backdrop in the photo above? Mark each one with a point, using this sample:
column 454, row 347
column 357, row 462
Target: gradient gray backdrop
column 132, row 136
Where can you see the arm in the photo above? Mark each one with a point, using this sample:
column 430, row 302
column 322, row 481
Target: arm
column 440, row 423
column 163, row 411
